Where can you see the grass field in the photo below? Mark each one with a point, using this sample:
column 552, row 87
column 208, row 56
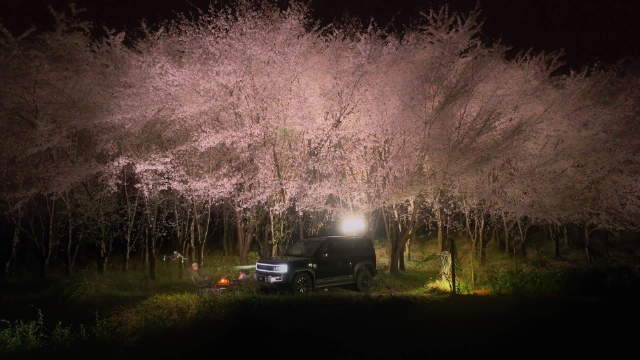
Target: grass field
column 542, row 309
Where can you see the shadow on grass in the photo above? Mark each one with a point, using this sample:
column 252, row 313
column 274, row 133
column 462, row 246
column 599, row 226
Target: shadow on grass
column 342, row 324
column 348, row 326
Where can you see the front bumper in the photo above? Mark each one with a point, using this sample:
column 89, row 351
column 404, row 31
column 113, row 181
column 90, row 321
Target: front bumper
column 272, row 279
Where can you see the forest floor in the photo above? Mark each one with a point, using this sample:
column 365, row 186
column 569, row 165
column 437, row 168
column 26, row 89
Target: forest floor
column 405, row 315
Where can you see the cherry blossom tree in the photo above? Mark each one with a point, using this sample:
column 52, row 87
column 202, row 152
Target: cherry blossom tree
column 258, row 119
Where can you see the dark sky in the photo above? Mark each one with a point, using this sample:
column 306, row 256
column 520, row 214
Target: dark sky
column 588, row 30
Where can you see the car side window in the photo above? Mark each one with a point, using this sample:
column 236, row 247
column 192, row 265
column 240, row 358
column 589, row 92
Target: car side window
column 336, row 248
column 329, row 249
column 323, row 249
column 342, row 248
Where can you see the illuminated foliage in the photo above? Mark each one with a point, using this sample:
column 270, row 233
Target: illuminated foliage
column 272, row 120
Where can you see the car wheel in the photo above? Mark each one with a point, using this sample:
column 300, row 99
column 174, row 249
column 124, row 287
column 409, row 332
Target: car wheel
column 302, row 283
column 363, row 280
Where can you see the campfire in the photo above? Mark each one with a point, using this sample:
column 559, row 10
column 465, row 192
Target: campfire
column 223, row 282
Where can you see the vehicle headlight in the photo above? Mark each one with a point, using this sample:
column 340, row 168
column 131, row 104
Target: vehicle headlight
column 282, row 268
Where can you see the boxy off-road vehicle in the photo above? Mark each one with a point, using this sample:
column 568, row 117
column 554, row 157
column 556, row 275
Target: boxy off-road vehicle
column 320, row 262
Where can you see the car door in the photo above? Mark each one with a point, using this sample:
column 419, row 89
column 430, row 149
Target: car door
column 342, row 257
column 328, row 260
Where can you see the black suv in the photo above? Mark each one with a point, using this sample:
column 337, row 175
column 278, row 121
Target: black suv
column 320, row 262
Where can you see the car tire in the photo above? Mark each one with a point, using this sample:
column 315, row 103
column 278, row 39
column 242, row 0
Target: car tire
column 302, row 283
column 363, row 280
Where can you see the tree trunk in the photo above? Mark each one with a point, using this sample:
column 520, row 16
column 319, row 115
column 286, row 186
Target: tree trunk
column 202, row 248
column 392, row 239
column 202, row 230
column 495, row 238
column 145, row 253
column 226, row 230
column 514, row 256
column 265, row 249
column 452, row 250
column 245, row 235
column 153, row 214
column 481, row 239
column 43, row 237
column 15, row 240
column 182, row 232
column 473, row 232
column 282, row 246
column 127, row 256
column 152, row 262
column 505, row 226
column 47, row 243
column 485, row 245
column 440, row 225
column 587, row 244
column 53, row 241
column 387, row 231
column 71, row 248
column 72, row 255
column 192, row 239
column 523, row 229
column 397, row 243
column 398, row 233
column 401, row 252
column 44, row 268
column 556, row 243
column 301, row 226
column 103, row 251
column 473, row 272
column 152, row 247
column 101, row 263
column 127, row 251
column 274, row 241
column 132, row 208
column 393, row 258
column 68, row 264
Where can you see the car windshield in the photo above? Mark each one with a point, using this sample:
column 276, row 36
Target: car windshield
column 304, row 248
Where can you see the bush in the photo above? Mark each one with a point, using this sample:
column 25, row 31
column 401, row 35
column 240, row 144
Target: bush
column 33, row 336
column 21, row 336
column 573, row 282
column 62, row 336
column 530, row 282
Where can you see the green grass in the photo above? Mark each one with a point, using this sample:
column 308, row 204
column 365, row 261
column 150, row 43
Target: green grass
column 123, row 310
column 22, row 336
column 361, row 326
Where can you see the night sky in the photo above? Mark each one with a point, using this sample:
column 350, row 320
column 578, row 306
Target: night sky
column 589, row 31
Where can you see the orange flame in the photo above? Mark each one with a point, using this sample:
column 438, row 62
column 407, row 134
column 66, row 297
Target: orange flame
column 223, row 281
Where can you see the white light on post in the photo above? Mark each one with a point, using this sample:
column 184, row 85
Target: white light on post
column 353, row 225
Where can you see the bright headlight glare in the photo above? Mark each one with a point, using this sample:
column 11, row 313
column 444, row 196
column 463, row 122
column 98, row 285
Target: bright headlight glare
column 353, row 224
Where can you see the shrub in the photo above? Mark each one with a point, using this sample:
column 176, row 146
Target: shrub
column 20, row 335
column 62, row 336
column 575, row 282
